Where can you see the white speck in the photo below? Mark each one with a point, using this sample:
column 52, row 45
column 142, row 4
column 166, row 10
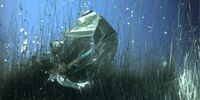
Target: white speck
column 42, row 21
column 85, row 4
column 127, row 8
column 82, row 85
column 25, row 33
column 62, row 27
column 33, row 42
column 2, row 6
column 165, row 33
column 132, row 41
column 190, row 38
column 38, row 42
column 142, row 17
column 150, row 27
column 164, row 18
column 128, row 23
column 115, row 6
column 5, row 60
column 21, row 30
column 131, row 15
column 179, row 25
column 35, row 49
column 94, row 59
column 182, row 4
column 48, row 52
column 164, row 63
column 35, row 37
column 20, row 14
column 62, row 42
column 6, row 46
column 131, row 11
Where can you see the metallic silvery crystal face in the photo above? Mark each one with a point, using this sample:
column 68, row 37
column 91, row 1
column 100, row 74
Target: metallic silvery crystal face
column 83, row 47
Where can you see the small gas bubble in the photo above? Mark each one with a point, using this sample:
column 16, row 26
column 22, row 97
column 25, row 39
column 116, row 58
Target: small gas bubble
column 85, row 4
column 131, row 15
column 164, row 18
column 5, row 60
column 20, row 14
column 164, row 63
column 1, row 5
column 42, row 21
column 94, row 59
column 25, row 33
column 165, row 33
column 142, row 17
column 62, row 27
column 33, row 42
column 127, row 8
column 131, row 11
column 21, row 30
column 35, row 37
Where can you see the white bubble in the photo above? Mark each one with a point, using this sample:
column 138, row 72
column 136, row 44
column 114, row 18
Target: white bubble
column 62, row 27
column 150, row 27
column 5, row 60
column 131, row 15
column 131, row 11
column 164, row 63
column 128, row 23
column 1, row 5
column 48, row 52
column 21, row 30
column 132, row 41
column 127, row 8
column 94, row 59
column 142, row 17
column 164, row 18
column 42, row 21
column 115, row 6
column 85, row 4
column 25, row 33
column 165, row 33
column 33, row 42
column 20, row 14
